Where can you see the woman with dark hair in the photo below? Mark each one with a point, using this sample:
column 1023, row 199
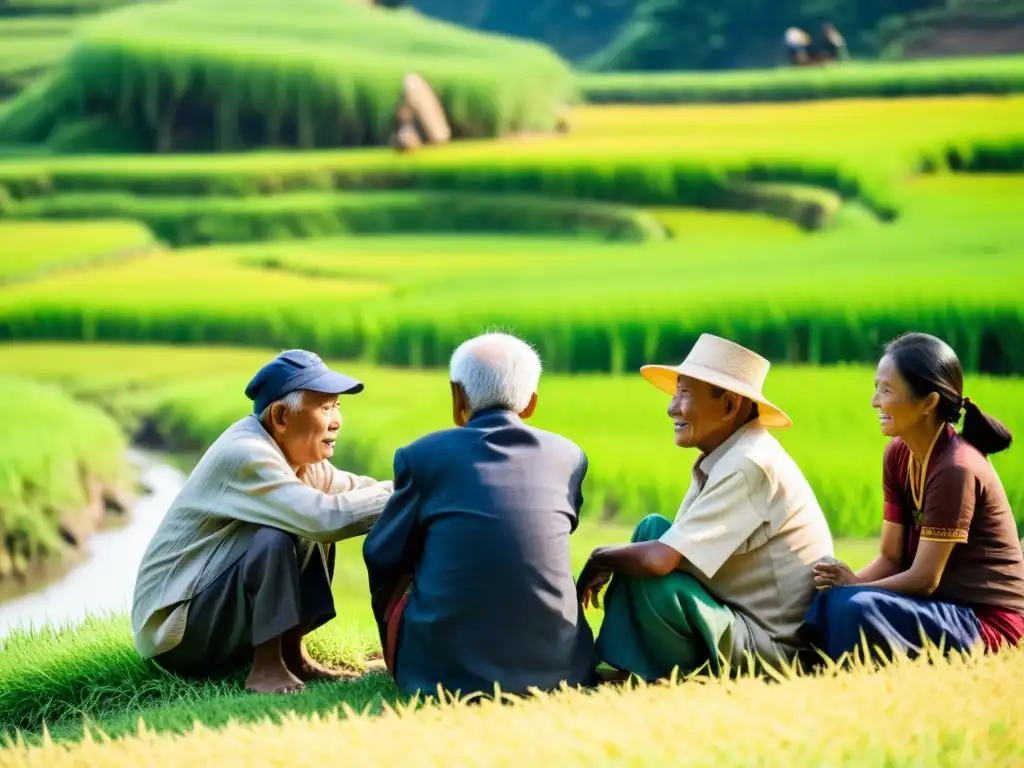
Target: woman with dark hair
column 951, row 565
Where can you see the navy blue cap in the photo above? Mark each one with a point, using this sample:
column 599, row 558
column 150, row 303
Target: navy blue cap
column 297, row 369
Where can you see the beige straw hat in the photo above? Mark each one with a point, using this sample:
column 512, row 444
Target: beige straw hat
column 724, row 364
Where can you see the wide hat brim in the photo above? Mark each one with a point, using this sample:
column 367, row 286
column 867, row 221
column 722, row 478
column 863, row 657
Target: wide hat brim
column 666, row 377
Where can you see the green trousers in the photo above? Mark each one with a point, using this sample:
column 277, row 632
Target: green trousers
column 653, row 625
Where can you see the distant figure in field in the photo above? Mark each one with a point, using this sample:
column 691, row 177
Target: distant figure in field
column 798, row 45
column 950, row 562
column 240, row 568
column 731, row 578
column 832, row 46
column 469, row 569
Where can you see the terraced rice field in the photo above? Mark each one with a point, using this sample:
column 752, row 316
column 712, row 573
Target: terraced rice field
column 950, row 266
column 939, row 253
column 31, row 248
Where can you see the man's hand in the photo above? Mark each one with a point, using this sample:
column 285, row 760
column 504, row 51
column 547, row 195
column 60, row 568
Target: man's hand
column 834, row 574
column 592, row 580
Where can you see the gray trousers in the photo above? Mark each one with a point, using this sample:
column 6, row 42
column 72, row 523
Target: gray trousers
column 260, row 597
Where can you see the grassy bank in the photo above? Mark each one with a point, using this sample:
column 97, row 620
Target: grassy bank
column 55, row 458
column 92, row 673
column 950, row 267
column 185, row 397
column 962, row 711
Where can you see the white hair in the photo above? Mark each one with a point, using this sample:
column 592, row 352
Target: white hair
column 293, row 402
column 496, row 370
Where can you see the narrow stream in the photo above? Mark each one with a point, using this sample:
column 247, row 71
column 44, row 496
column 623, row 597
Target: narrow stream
column 104, row 581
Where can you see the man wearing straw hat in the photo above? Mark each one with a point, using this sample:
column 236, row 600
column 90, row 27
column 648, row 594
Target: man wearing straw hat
column 729, row 580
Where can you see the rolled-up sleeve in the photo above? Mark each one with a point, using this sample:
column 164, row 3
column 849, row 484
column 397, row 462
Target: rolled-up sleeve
column 719, row 521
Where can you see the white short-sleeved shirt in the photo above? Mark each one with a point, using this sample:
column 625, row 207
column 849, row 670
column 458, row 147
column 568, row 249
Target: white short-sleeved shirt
column 751, row 533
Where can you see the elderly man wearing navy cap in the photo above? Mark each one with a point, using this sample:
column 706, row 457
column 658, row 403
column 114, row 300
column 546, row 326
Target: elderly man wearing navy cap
column 240, row 568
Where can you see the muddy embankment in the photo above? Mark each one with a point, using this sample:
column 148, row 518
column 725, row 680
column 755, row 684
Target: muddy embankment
column 28, row 561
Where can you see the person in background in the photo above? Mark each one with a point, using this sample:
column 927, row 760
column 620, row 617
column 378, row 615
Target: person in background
column 730, row 579
column 798, row 44
column 469, row 571
column 832, row 46
column 950, row 564
column 240, row 568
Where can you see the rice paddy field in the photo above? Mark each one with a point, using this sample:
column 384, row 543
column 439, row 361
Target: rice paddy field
column 148, row 267
column 33, row 248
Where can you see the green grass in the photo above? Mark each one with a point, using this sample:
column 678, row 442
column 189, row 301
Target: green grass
column 52, row 448
column 189, row 395
column 935, row 77
column 30, row 249
column 93, row 672
column 227, row 74
column 950, row 266
column 933, row 712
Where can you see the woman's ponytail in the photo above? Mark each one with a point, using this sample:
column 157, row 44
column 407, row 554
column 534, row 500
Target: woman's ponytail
column 982, row 431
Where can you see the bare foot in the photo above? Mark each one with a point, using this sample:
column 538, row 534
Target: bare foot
column 306, row 669
column 273, row 679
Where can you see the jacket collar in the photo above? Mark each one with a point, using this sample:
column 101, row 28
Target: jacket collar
column 496, row 415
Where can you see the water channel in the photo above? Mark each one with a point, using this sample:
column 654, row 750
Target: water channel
column 103, row 582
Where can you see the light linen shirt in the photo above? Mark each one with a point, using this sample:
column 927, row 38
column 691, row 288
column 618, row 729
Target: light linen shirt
column 750, row 530
column 241, row 484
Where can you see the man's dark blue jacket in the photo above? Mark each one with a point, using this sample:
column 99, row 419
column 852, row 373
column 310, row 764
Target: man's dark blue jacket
column 480, row 520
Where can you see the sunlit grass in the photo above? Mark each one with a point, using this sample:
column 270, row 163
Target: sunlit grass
column 91, row 672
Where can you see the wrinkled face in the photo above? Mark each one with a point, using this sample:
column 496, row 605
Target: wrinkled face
column 307, row 436
column 898, row 411
column 698, row 416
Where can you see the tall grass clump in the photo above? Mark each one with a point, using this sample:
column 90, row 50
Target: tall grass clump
column 54, row 451
column 222, row 75
column 985, row 75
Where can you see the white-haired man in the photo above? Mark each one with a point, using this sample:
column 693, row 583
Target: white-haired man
column 240, row 568
column 469, row 570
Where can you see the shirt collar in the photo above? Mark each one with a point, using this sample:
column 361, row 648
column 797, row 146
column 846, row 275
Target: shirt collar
column 706, row 464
